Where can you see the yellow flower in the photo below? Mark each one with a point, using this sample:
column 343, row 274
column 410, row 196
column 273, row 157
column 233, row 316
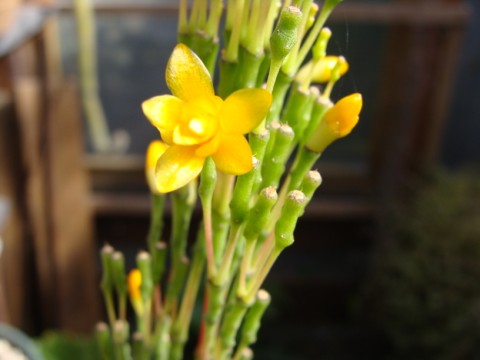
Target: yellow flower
column 322, row 70
column 156, row 149
column 195, row 123
column 134, row 281
column 337, row 122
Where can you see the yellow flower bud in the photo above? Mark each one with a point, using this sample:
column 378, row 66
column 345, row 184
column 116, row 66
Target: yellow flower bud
column 311, row 16
column 337, row 122
column 322, row 69
column 134, row 281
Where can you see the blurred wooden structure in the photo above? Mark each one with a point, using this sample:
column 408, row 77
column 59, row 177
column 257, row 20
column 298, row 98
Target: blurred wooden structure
column 49, row 268
column 423, row 48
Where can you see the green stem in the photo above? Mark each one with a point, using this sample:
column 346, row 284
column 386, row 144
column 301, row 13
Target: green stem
column 140, row 349
column 260, row 213
column 109, row 305
column 298, row 110
column 244, row 268
column 260, row 277
column 289, row 65
column 121, row 346
column 163, row 342
column 182, row 17
column 255, row 223
column 223, row 273
column 103, row 341
column 263, row 69
column 117, row 263
column 228, row 331
column 258, row 25
column 278, row 96
column 159, row 257
column 274, row 163
column 156, row 219
column 231, row 53
column 175, row 286
column 194, row 16
column 251, row 324
column 208, row 180
column 327, row 9
column 87, row 64
column 216, row 301
column 221, row 213
column 319, row 108
column 214, row 18
column 246, row 184
column 292, row 209
column 263, row 248
column 107, row 282
column 228, row 71
column 183, row 202
column 182, row 322
column 303, row 163
column 146, row 288
column 202, row 15
column 207, row 220
column 206, row 47
column 248, row 68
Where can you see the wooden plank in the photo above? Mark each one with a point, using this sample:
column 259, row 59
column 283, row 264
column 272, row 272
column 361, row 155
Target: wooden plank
column 390, row 13
column 13, row 260
column 413, row 100
column 28, row 103
column 429, row 135
column 72, row 228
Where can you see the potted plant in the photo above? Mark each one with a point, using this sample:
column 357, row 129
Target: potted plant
column 227, row 147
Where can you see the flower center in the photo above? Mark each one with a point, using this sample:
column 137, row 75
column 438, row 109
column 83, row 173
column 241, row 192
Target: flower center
column 196, row 126
column 198, row 122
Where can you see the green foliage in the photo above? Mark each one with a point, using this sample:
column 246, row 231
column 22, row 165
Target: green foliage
column 429, row 277
column 58, row 346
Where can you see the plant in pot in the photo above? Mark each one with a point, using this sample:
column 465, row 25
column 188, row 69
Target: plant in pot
column 15, row 345
column 227, row 147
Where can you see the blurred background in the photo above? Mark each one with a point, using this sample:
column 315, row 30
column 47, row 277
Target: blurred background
column 386, row 262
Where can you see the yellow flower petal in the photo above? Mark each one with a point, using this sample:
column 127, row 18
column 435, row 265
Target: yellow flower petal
column 156, row 149
column 322, row 70
column 233, row 155
column 167, row 136
column 187, row 77
column 163, row 111
column 243, row 110
column 343, row 116
column 177, row 167
column 209, row 147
